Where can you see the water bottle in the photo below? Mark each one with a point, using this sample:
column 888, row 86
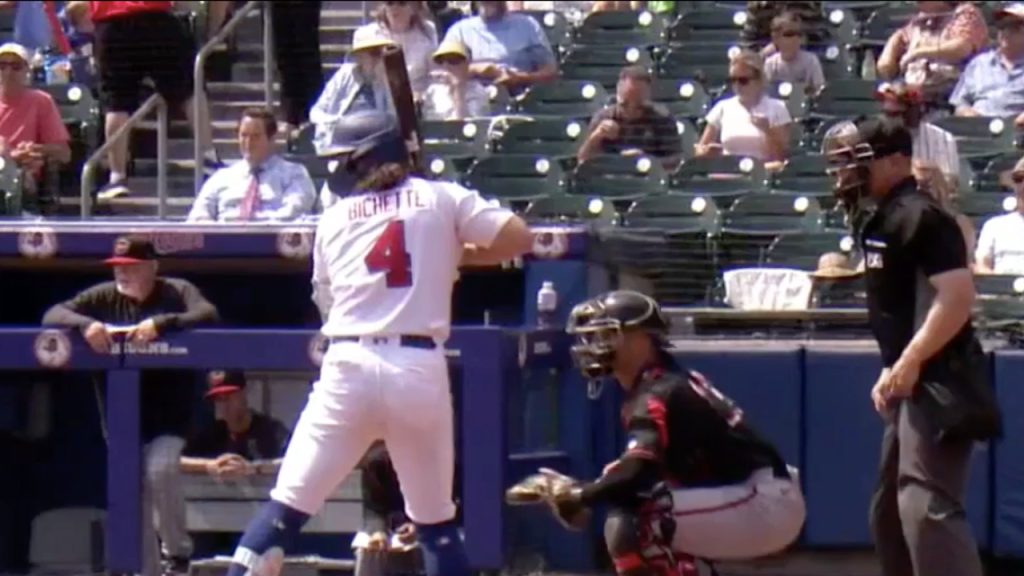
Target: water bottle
column 868, row 66
column 547, row 305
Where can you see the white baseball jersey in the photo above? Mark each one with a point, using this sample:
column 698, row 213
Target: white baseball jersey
column 384, row 263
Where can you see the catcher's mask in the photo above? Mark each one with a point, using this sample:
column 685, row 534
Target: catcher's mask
column 598, row 325
column 360, row 143
column 849, row 160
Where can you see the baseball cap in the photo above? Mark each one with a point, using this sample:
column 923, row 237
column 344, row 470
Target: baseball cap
column 1013, row 10
column 129, row 250
column 224, row 382
column 886, row 136
column 17, row 50
column 451, row 48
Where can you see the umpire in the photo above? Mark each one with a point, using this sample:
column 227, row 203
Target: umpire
column 933, row 392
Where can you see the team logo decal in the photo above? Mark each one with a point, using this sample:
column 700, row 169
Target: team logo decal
column 53, row 349
column 295, row 243
column 550, row 244
column 317, row 348
column 37, row 243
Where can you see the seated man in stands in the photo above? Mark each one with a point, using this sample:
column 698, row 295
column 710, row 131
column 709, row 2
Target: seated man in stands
column 31, row 130
column 142, row 306
column 634, row 124
column 509, row 49
column 992, row 84
column 239, row 443
column 262, row 186
column 1001, row 244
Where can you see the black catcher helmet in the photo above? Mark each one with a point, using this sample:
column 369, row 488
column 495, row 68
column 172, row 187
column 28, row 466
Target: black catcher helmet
column 598, row 325
column 360, row 143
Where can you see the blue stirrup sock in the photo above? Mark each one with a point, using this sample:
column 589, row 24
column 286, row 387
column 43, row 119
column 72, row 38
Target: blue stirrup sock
column 274, row 526
column 444, row 553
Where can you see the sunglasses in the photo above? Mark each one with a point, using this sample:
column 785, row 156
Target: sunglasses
column 741, row 80
column 788, row 33
column 1017, row 178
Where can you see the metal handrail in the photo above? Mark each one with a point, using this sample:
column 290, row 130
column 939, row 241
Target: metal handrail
column 154, row 101
column 199, row 96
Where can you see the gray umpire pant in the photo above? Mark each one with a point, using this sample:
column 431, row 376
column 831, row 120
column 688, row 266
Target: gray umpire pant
column 163, row 505
column 917, row 513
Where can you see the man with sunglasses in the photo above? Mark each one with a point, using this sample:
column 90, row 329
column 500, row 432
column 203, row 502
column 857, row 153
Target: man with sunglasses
column 993, row 82
column 920, row 293
column 1001, row 244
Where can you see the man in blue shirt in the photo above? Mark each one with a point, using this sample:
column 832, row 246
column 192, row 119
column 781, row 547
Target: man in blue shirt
column 508, row 49
column 993, row 82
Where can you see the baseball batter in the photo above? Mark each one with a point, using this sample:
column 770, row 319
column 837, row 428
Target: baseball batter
column 385, row 259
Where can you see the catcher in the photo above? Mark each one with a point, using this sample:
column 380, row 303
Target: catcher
column 695, row 481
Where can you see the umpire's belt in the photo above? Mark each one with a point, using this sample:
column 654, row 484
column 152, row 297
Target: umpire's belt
column 405, row 340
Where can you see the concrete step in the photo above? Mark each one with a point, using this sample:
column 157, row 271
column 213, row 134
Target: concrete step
column 246, row 72
column 182, row 151
column 239, row 90
column 343, row 19
column 253, row 53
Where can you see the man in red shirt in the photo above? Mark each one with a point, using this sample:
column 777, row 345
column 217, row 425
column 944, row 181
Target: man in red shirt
column 31, row 130
column 136, row 40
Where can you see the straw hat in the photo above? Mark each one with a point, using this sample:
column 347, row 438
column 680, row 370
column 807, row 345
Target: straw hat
column 369, row 41
column 834, row 266
column 451, row 48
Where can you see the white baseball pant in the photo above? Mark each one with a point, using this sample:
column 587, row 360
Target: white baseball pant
column 369, row 390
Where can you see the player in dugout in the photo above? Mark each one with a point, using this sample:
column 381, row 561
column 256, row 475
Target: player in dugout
column 139, row 307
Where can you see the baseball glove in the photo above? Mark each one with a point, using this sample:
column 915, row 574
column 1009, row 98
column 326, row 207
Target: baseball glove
column 557, row 491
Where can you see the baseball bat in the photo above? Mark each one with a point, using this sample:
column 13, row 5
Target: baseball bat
column 405, row 106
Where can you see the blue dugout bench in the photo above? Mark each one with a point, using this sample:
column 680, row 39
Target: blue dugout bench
column 524, row 406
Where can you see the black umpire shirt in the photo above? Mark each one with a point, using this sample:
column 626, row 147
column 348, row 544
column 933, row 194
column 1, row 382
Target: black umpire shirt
column 909, row 239
column 683, row 431
column 167, row 396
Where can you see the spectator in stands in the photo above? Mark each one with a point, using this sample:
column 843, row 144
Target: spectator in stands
column 790, row 62
column 933, row 48
column 936, row 161
column 750, row 123
column 407, row 24
column 136, row 40
column 453, row 93
column 31, row 130
column 262, row 186
column 80, row 32
column 992, row 84
column 356, row 86
column 239, row 443
column 633, row 124
column 1001, row 245
column 31, row 26
column 444, row 15
column 295, row 26
column 141, row 306
column 508, row 49
column 757, row 32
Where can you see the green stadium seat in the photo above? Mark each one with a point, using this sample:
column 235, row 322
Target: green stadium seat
column 619, row 177
column 674, row 212
column 837, row 63
column 11, row 193
column 712, row 25
column 846, row 99
column 570, row 209
column 804, row 174
column 688, row 135
column 755, row 221
column 602, row 64
column 724, row 178
column 707, row 64
column 794, row 95
column 621, row 28
column 516, row 177
column 499, row 99
column 802, row 251
column 836, row 220
column 681, row 97
column 555, row 25
column 884, row 21
column 989, row 179
column 1000, row 296
column 980, row 207
column 979, row 138
column 302, row 143
column 456, row 142
column 551, row 137
column 447, row 168
column 564, row 98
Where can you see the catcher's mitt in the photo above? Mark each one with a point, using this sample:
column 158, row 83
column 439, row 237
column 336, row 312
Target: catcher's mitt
column 557, row 491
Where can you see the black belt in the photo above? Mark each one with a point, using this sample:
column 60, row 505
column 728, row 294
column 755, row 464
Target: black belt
column 405, row 340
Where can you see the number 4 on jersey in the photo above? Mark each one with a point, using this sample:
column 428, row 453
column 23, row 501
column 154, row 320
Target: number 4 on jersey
column 388, row 255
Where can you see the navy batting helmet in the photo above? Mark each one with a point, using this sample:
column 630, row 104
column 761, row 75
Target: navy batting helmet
column 359, row 143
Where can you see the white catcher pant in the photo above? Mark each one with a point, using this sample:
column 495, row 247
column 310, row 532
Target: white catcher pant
column 758, row 518
column 369, row 390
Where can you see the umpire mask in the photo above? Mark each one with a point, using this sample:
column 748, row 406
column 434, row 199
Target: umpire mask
column 849, row 160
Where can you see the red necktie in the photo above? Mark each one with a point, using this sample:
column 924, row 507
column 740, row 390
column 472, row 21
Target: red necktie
column 251, row 202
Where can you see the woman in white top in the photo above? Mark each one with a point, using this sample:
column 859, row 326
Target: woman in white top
column 406, row 23
column 749, row 123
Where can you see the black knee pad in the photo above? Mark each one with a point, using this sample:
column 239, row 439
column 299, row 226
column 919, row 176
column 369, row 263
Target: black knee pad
column 621, row 533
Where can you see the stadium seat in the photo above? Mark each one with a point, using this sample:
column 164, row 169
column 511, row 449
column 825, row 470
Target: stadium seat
column 564, row 98
column 76, row 103
column 621, row 28
column 555, row 25
column 516, row 177
column 302, row 143
column 499, row 99
column 681, row 97
column 837, row 63
column 672, row 212
column 847, row 98
column 705, row 63
column 990, row 178
column 458, row 143
column 11, row 193
column 884, row 21
column 619, row 177
column 602, row 64
column 68, row 541
column 688, row 136
column 570, row 209
column 721, row 25
column 979, row 138
column 723, row 178
column 802, row 251
column 550, row 137
column 980, row 207
column 794, row 95
column 1000, row 296
column 754, row 221
column 804, row 174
